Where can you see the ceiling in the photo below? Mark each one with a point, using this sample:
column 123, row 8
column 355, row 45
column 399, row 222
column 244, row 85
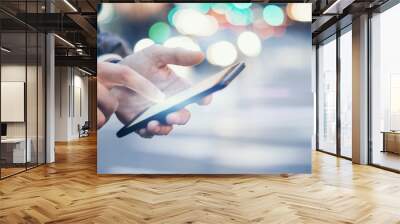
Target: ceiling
column 76, row 22
column 330, row 15
column 73, row 20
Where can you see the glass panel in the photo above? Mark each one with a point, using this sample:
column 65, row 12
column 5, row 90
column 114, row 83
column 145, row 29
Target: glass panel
column 23, row 82
column 41, row 99
column 32, row 88
column 385, row 89
column 327, row 96
column 31, row 98
column 13, row 85
column 346, row 93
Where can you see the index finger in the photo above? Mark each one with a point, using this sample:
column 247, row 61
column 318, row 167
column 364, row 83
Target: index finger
column 176, row 56
column 113, row 75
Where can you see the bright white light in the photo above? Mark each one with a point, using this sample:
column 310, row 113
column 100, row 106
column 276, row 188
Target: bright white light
column 192, row 22
column 182, row 71
column 70, row 5
column 64, row 40
column 299, row 11
column 84, row 71
column 222, row 53
column 106, row 13
column 142, row 44
column 249, row 43
column 183, row 42
column 5, row 50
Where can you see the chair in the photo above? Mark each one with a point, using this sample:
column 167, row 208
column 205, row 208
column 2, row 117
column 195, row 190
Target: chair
column 84, row 130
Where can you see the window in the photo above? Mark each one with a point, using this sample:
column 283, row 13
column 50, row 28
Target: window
column 327, row 96
column 346, row 93
column 385, row 89
column 22, row 77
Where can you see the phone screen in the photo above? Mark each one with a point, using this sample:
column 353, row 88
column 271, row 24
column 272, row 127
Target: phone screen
column 183, row 98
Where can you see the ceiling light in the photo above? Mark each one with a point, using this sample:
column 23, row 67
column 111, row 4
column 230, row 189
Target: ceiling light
column 64, row 40
column 70, row 5
column 5, row 50
column 84, row 71
column 338, row 6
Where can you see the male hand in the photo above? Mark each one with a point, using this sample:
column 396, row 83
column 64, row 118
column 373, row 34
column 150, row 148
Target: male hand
column 152, row 63
column 110, row 76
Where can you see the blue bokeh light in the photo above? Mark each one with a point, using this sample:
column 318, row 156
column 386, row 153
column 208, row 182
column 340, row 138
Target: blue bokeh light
column 273, row 15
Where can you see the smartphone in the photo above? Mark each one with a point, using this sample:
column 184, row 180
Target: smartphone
column 180, row 100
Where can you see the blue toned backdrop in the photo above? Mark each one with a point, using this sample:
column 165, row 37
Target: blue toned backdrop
column 261, row 123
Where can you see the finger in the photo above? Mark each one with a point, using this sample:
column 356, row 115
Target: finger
column 180, row 117
column 206, row 100
column 153, row 127
column 106, row 102
column 176, row 56
column 121, row 75
column 144, row 133
column 165, row 130
column 101, row 119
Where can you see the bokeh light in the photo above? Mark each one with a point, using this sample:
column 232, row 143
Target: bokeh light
column 221, row 8
column 183, row 42
column 159, row 32
column 192, row 22
column 242, row 5
column 201, row 7
column 263, row 29
column 240, row 17
column 221, row 19
column 142, row 44
column 273, row 15
column 249, row 44
column 171, row 15
column 299, row 11
column 222, row 53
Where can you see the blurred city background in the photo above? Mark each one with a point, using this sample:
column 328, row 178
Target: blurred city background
column 261, row 123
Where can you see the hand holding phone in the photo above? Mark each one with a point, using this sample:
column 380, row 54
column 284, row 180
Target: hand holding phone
column 178, row 101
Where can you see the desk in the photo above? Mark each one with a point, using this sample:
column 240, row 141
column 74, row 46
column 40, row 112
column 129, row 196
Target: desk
column 16, row 153
column 391, row 142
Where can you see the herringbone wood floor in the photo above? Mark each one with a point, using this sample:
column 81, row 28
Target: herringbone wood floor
column 70, row 191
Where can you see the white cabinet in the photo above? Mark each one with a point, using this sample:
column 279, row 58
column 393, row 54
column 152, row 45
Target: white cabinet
column 19, row 155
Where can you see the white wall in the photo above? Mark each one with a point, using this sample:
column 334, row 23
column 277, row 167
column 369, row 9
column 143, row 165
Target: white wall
column 70, row 83
column 16, row 73
column 61, row 104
